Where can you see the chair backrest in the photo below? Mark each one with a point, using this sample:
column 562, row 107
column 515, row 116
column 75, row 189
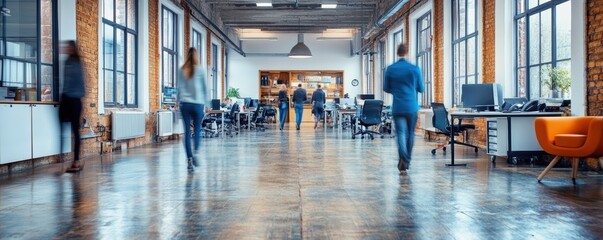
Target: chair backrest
column 371, row 112
column 440, row 117
column 233, row 110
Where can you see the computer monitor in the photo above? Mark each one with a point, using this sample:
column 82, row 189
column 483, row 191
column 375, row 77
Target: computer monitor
column 215, row 104
column 482, row 97
column 253, row 103
column 508, row 102
column 366, row 96
column 247, row 101
column 336, row 100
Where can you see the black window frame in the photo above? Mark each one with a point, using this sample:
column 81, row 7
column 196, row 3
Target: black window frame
column 382, row 64
column 214, row 70
column 38, row 59
column 427, row 96
column 396, row 43
column 462, row 39
column 127, row 32
column 173, row 53
column 527, row 12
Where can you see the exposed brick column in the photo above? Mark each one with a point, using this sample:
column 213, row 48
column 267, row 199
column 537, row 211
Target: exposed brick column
column 594, row 58
column 438, row 50
column 87, row 39
column 187, row 26
column 208, row 43
column 223, row 75
column 488, row 41
column 154, row 55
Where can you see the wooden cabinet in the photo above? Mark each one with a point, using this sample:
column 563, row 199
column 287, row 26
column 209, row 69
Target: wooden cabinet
column 270, row 81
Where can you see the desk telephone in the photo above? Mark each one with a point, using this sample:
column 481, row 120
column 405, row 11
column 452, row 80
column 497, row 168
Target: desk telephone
column 527, row 107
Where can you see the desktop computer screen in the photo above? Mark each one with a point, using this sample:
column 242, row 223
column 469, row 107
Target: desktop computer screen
column 247, row 101
column 365, row 96
column 215, row 104
column 482, row 97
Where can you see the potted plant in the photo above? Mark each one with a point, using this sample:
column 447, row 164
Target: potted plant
column 233, row 93
column 558, row 81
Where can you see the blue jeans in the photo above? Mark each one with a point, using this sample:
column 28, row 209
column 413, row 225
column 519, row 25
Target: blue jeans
column 405, row 131
column 299, row 111
column 191, row 112
column 318, row 112
column 283, row 109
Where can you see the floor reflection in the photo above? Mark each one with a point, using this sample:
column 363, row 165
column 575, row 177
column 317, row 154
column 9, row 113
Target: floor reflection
column 294, row 185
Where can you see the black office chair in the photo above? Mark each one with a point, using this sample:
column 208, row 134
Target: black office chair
column 370, row 116
column 442, row 124
column 230, row 121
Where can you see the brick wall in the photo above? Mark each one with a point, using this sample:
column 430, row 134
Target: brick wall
column 154, row 55
column 594, row 57
column 594, row 64
column 438, row 50
column 488, row 40
column 87, row 38
column 187, row 26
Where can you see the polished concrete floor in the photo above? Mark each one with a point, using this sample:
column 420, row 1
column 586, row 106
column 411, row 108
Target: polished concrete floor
column 293, row 185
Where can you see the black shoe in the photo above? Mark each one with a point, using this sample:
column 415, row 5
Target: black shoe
column 195, row 162
column 190, row 166
column 297, row 128
column 402, row 165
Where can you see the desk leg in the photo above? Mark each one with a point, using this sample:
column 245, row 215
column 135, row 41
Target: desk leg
column 239, row 121
column 452, row 147
column 249, row 121
column 223, row 124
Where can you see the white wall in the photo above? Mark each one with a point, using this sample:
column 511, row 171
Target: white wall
column 578, row 67
column 326, row 55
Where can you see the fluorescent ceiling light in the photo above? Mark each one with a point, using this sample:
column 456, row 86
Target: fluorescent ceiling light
column 264, row 4
column 258, row 38
column 328, row 5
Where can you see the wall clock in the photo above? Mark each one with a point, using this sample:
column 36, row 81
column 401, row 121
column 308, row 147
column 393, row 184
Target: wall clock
column 355, row 82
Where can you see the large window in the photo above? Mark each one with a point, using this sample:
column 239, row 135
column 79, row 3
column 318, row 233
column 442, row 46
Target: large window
column 119, row 53
column 382, row 65
column 169, row 54
column 424, row 57
column 464, row 44
column 214, row 70
column 543, row 41
column 398, row 39
column 28, row 50
column 197, row 43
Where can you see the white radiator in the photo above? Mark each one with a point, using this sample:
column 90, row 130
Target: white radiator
column 165, row 123
column 126, row 125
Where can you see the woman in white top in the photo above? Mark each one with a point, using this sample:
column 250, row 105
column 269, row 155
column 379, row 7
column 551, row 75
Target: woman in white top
column 192, row 94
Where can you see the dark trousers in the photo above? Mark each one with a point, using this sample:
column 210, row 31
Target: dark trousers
column 299, row 111
column 191, row 112
column 70, row 111
column 405, row 131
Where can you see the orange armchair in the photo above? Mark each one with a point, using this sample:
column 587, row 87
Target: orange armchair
column 574, row 137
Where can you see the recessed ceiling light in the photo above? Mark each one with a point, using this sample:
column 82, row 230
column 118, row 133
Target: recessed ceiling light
column 264, row 4
column 328, row 5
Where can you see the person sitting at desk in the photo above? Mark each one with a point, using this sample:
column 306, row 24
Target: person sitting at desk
column 318, row 107
column 404, row 81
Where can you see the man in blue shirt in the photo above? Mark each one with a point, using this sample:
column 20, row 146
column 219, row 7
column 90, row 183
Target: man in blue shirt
column 404, row 81
column 299, row 97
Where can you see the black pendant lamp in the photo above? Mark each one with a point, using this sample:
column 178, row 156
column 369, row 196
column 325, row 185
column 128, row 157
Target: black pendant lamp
column 300, row 50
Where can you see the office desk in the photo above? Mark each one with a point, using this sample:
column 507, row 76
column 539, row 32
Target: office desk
column 523, row 120
column 249, row 114
column 324, row 115
column 221, row 112
column 342, row 112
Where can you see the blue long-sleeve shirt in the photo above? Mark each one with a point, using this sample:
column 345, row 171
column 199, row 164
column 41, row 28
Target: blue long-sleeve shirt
column 299, row 96
column 404, row 81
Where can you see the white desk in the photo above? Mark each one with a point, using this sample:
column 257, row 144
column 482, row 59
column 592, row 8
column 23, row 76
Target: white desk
column 520, row 122
column 342, row 112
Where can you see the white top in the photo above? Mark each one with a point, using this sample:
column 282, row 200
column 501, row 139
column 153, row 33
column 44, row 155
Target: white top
column 193, row 90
